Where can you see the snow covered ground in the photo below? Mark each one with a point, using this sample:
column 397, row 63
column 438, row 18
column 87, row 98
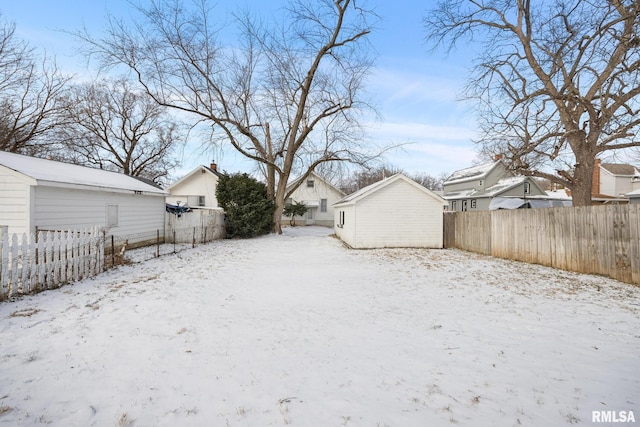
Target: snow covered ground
column 297, row 330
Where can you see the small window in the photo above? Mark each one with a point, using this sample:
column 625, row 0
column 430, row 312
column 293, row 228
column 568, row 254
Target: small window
column 473, row 203
column 527, row 188
column 288, row 202
column 200, row 200
column 112, row 215
column 310, row 183
column 323, row 205
column 341, row 219
column 453, row 205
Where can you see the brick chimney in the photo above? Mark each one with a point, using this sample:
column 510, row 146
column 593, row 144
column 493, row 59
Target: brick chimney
column 595, row 184
column 497, row 157
column 213, row 166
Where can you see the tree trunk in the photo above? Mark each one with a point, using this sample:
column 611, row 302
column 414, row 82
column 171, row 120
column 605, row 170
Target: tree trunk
column 583, row 175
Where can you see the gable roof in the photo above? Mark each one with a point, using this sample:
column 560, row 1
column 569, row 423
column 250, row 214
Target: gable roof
column 496, row 189
column 59, row 174
column 472, row 173
column 200, row 168
column 620, row 169
column 377, row 186
column 316, row 176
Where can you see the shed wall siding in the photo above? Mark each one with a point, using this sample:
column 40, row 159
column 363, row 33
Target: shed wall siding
column 398, row 215
column 14, row 203
column 346, row 233
column 62, row 209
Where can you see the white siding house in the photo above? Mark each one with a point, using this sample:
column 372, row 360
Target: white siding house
column 634, row 197
column 197, row 189
column 45, row 194
column 318, row 195
column 612, row 181
column 394, row 212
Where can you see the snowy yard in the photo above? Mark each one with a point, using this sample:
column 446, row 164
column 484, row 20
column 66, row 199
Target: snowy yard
column 298, row 330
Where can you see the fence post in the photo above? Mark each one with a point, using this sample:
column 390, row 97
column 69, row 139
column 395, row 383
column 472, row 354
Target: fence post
column 193, row 240
column 157, row 243
column 113, row 251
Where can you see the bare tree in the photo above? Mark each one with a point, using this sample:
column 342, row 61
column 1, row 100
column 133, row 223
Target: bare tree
column 557, row 82
column 367, row 176
column 289, row 97
column 429, row 181
column 29, row 90
column 111, row 126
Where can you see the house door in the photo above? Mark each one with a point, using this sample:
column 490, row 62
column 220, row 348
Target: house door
column 309, row 218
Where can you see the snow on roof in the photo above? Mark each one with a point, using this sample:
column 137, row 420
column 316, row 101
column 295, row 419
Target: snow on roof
column 504, row 184
column 497, row 188
column 51, row 171
column 474, row 172
column 635, row 193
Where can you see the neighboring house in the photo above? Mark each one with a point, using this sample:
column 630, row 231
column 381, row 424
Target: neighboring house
column 40, row 194
column 197, row 189
column 318, row 195
column 491, row 186
column 611, row 182
column 395, row 212
column 634, row 197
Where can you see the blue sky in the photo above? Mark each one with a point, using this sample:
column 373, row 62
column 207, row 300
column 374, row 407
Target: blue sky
column 414, row 90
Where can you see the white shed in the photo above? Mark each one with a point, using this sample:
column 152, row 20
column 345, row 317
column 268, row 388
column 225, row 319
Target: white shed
column 44, row 194
column 392, row 213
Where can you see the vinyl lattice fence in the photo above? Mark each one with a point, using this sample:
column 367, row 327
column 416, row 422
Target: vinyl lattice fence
column 602, row 240
column 48, row 259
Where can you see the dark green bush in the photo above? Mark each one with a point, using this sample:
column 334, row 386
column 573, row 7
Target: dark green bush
column 249, row 213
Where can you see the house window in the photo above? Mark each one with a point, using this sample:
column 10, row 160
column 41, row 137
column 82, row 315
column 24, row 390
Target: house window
column 310, row 183
column 112, row 215
column 200, row 200
column 453, row 205
column 527, row 188
column 288, row 202
column 341, row 222
column 323, row 205
column 473, row 203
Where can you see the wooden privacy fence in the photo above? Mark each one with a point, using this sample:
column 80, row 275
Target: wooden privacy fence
column 48, row 259
column 602, row 240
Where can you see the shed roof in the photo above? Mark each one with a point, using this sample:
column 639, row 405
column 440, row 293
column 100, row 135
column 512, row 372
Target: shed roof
column 376, row 186
column 55, row 173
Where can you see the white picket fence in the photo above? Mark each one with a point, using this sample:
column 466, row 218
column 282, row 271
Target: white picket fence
column 48, row 259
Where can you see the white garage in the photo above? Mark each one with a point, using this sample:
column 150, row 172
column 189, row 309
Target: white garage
column 396, row 212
